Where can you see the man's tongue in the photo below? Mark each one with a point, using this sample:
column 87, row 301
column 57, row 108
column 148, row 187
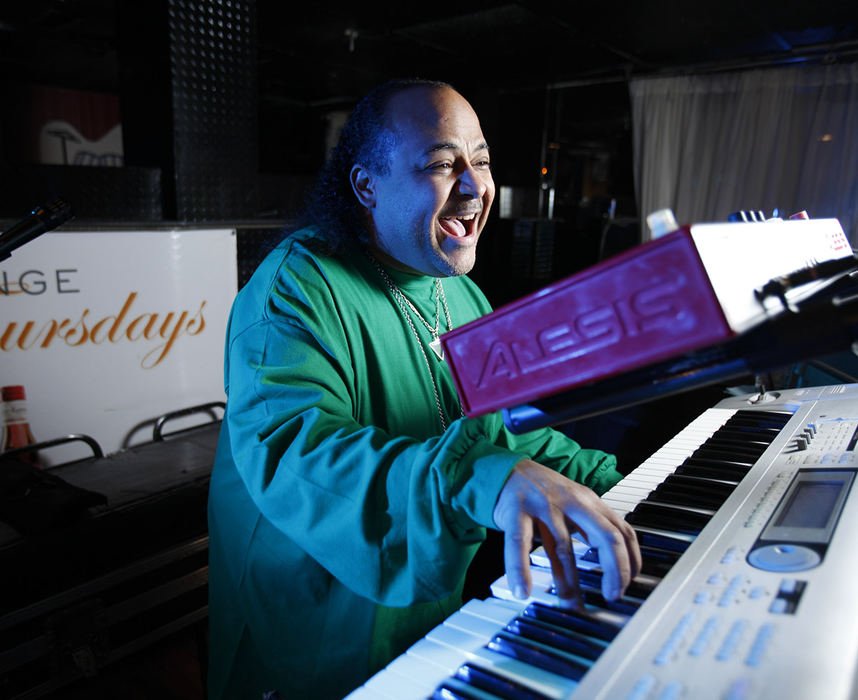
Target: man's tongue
column 453, row 227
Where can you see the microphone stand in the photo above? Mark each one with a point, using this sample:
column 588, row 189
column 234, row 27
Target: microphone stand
column 39, row 221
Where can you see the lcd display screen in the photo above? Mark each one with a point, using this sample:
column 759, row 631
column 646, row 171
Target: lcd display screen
column 811, row 504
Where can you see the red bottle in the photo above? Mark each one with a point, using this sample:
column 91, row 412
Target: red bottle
column 16, row 432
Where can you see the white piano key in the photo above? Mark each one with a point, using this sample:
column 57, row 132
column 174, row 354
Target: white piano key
column 678, row 452
column 663, row 461
column 543, row 583
column 654, row 468
column 539, row 557
column 621, row 508
column 616, row 500
column 634, row 487
column 394, row 686
column 638, row 493
column 426, row 675
column 620, row 505
column 365, row 693
column 579, row 546
column 494, row 609
column 643, row 483
column 476, row 625
column 635, row 494
column 469, row 691
column 439, row 654
column 457, row 638
column 545, row 682
column 500, row 588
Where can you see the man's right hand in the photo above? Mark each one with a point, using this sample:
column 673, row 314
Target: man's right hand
column 560, row 507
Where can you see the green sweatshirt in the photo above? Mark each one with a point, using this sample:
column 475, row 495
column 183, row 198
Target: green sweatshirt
column 342, row 517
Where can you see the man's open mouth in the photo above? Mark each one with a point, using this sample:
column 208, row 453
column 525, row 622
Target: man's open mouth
column 459, row 226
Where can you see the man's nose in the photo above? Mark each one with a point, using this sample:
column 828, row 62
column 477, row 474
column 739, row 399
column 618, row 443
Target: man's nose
column 471, row 183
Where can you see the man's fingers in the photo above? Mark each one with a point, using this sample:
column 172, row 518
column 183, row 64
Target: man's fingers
column 561, row 506
column 619, row 555
column 631, row 539
column 563, row 568
column 517, row 541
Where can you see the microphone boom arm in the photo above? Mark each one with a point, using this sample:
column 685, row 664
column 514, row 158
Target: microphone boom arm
column 39, row 221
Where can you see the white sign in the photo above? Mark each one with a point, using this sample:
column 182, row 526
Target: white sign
column 109, row 330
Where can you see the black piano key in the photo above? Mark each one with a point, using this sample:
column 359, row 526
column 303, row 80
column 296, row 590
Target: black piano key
column 763, row 431
column 448, row 691
column 707, row 485
column 715, row 452
column 541, row 658
column 591, row 554
column 624, row 606
column 752, row 437
column 637, row 588
column 743, row 437
column 657, row 562
column 737, row 446
column 703, row 491
column 760, row 422
column 555, row 638
column 664, row 517
column 661, row 541
column 736, row 467
column 777, row 418
column 591, row 578
column 708, row 472
column 574, row 620
column 695, row 487
column 682, row 496
column 497, row 685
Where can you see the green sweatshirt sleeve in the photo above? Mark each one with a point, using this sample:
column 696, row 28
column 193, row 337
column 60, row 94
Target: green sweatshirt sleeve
column 593, row 468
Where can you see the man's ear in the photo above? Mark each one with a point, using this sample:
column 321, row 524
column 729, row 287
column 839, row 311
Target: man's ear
column 363, row 184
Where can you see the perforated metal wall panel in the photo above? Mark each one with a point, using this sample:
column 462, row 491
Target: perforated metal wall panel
column 95, row 193
column 253, row 244
column 213, row 66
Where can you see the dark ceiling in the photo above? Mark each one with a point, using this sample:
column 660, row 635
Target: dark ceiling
column 317, row 52
column 320, row 54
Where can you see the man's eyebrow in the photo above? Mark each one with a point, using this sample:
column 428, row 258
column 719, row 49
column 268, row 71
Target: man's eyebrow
column 452, row 147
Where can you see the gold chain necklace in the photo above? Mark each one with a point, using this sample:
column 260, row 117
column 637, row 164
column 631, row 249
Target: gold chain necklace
column 403, row 301
column 404, row 305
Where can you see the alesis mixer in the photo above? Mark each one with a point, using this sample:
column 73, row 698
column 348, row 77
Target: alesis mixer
column 707, row 303
column 746, row 520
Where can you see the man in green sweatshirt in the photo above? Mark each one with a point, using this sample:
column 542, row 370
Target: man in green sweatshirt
column 349, row 493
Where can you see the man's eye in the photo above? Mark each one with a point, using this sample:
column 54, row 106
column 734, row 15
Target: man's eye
column 441, row 166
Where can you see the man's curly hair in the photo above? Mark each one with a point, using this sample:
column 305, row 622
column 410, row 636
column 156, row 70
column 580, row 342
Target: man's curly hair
column 366, row 138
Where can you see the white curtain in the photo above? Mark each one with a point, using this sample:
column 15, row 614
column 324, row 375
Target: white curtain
column 785, row 138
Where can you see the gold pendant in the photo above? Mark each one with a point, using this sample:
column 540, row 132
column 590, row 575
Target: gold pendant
column 437, row 349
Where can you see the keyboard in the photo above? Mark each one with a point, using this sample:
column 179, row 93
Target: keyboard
column 744, row 520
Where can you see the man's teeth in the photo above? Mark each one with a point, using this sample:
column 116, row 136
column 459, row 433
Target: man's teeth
column 457, row 225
